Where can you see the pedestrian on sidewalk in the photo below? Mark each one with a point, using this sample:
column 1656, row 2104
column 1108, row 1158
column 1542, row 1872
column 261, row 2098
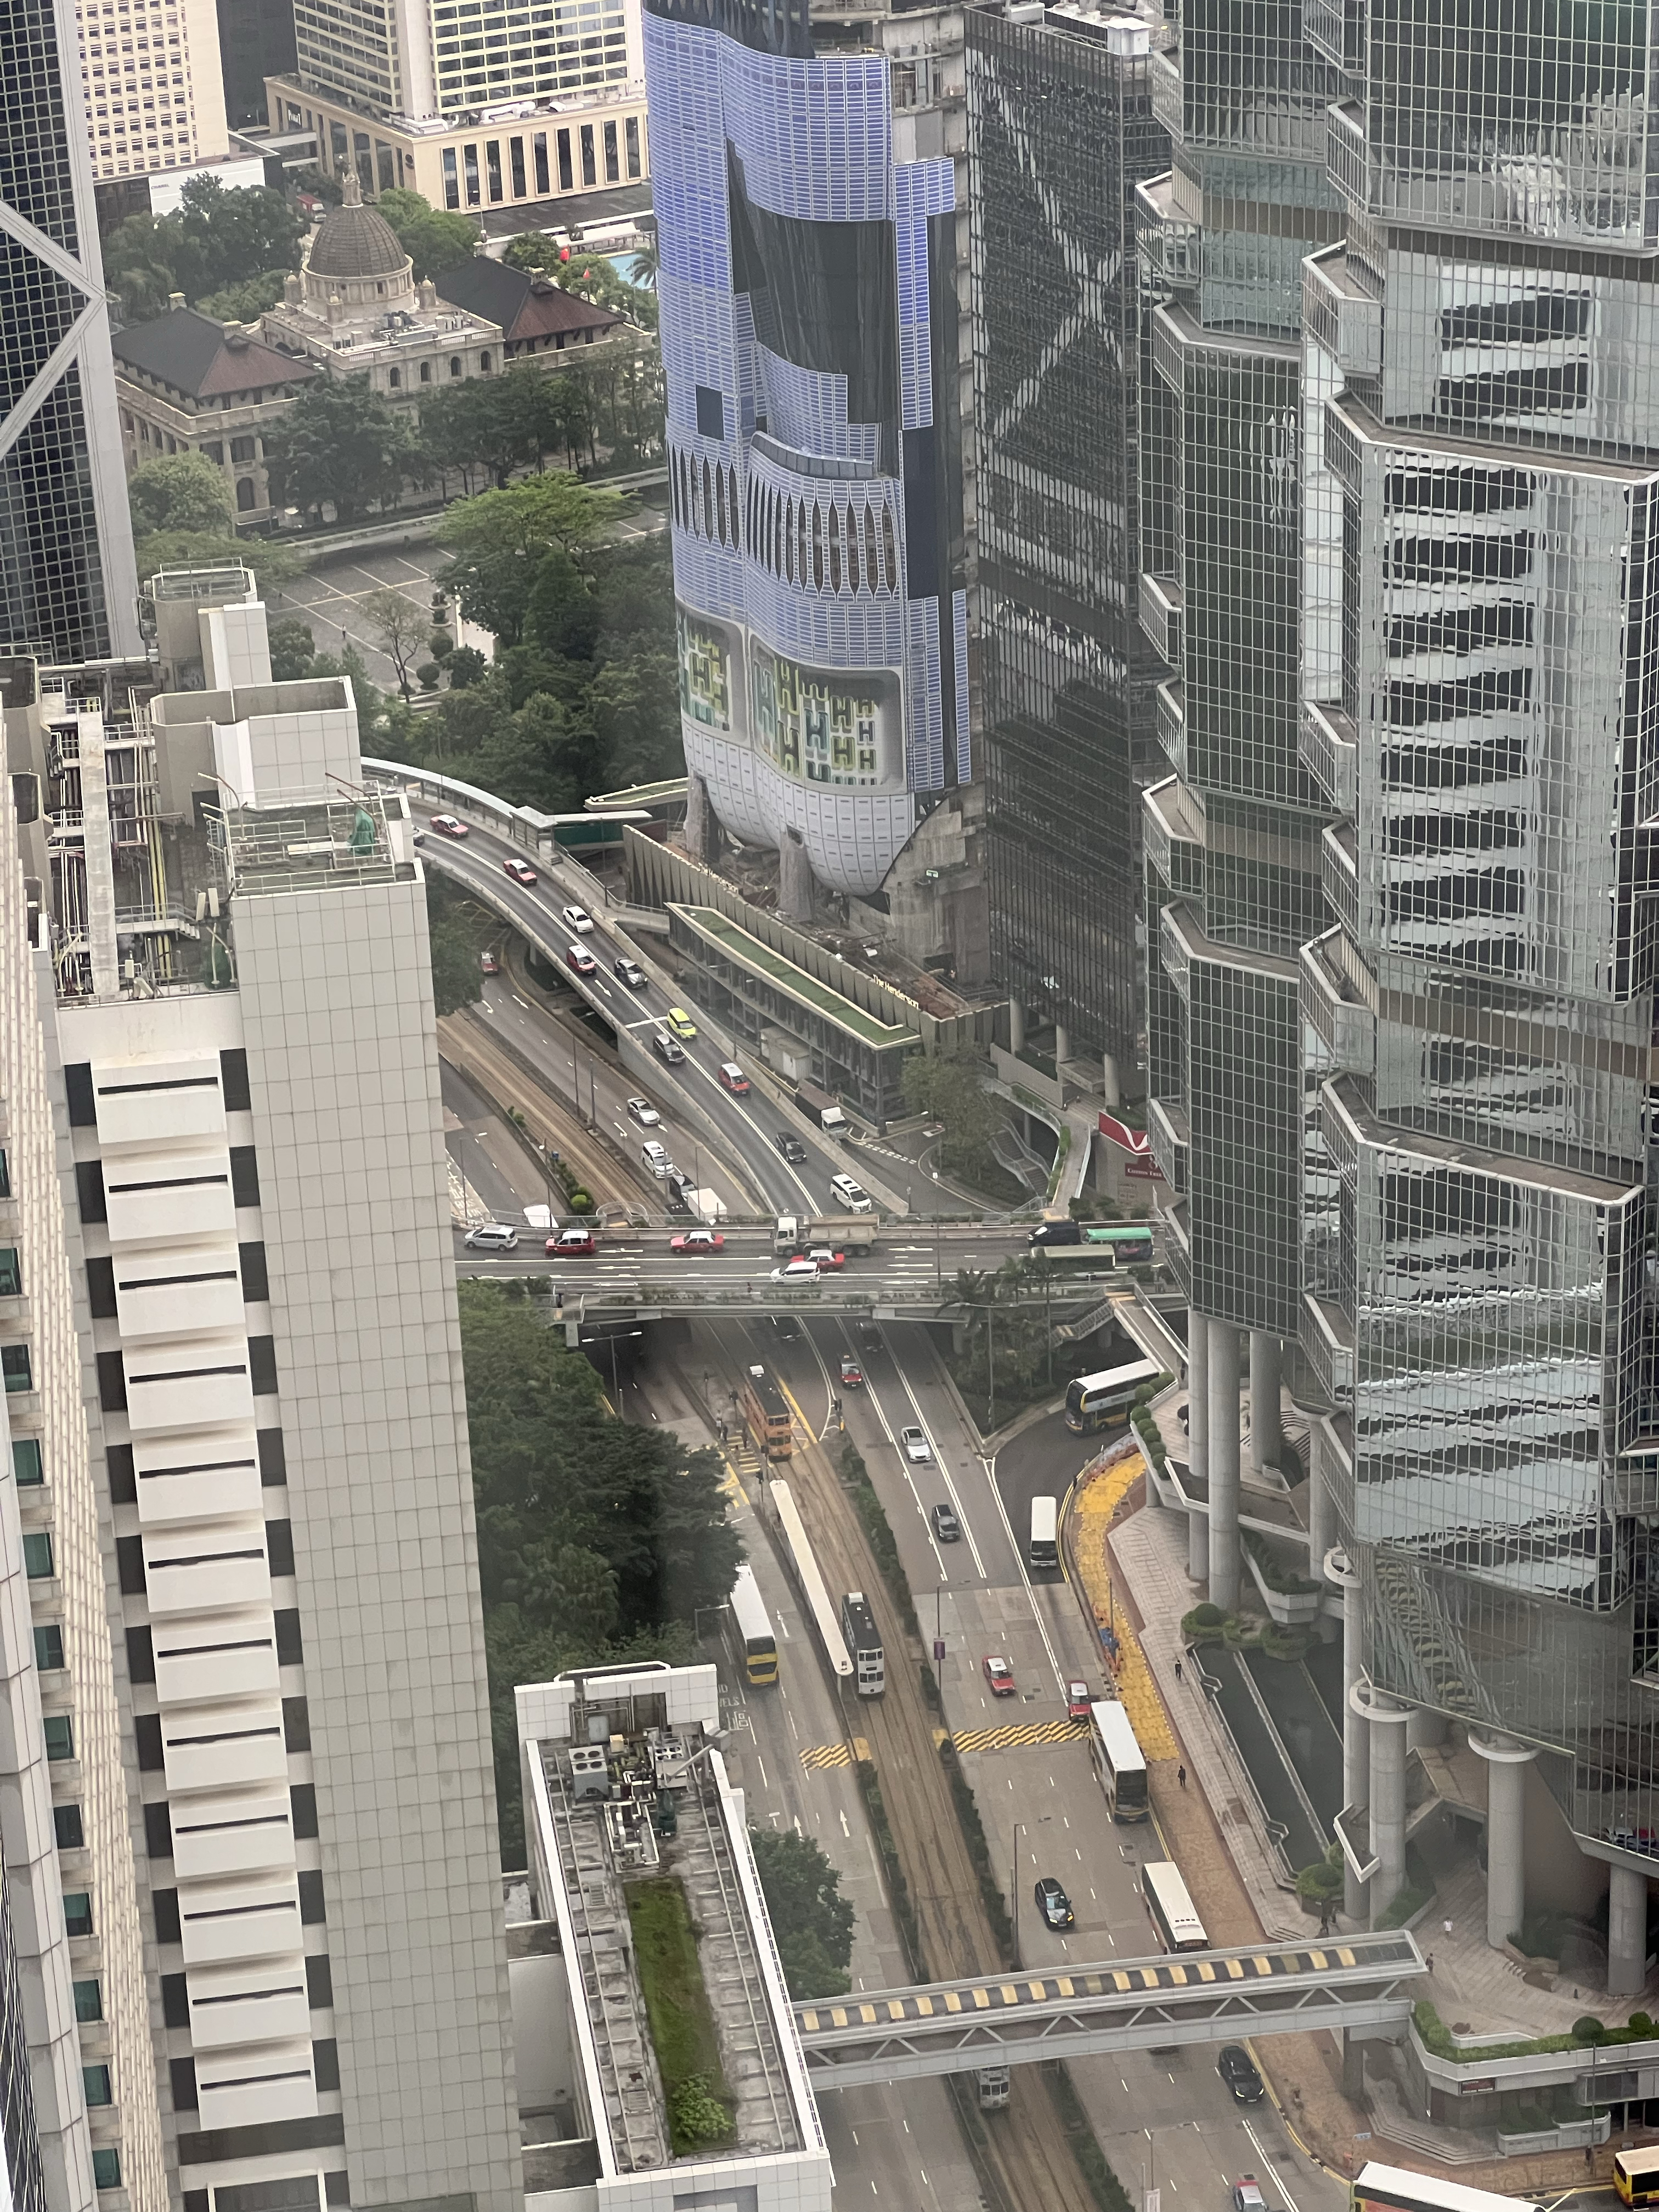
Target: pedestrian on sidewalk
column 1428, row 1962
column 1446, row 1930
column 1181, row 1776
column 1177, row 1670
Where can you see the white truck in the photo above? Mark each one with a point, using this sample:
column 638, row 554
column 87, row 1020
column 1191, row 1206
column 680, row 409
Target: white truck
column 708, row 1205
column 845, row 1232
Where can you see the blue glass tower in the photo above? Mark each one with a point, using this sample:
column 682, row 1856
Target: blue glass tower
column 809, row 333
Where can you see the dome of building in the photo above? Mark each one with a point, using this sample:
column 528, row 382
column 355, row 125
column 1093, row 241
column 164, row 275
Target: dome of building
column 356, row 241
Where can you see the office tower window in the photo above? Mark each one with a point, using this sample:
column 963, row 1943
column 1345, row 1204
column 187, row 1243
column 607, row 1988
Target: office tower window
column 48, row 1647
column 67, row 1827
column 589, row 172
column 493, row 166
column 107, row 2167
column 452, row 179
column 11, row 1272
column 16, row 1367
column 567, row 178
column 515, row 151
column 539, row 146
column 28, row 1465
column 59, row 1731
column 469, row 164
column 631, row 128
column 5, row 1174
column 38, row 1564
column 78, row 1911
column 612, row 166
column 88, row 2000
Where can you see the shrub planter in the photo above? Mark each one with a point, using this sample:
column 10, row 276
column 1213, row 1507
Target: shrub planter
column 1290, row 1608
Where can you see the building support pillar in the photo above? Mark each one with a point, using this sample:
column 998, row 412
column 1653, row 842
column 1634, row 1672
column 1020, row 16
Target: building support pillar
column 1223, row 1400
column 1016, row 1025
column 1266, row 1434
column 1109, row 1085
column 1063, row 1047
column 1386, row 1723
column 1356, row 1743
column 1322, row 1513
column 1627, row 1932
column 1507, row 1762
column 1198, row 1436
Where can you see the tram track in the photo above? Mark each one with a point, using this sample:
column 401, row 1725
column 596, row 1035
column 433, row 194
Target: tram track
column 1024, row 2147
column 508, row 1081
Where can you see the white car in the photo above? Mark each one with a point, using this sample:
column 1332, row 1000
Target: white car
column 492, row 1236
column 851, row 1194
column 577, row 918
column 655, row 1157
column 642, row 1111
column 796, row 1271
column 917, row 1449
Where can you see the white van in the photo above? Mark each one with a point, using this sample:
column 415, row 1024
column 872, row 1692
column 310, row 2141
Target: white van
column 655, row 1155
column 492, row 1236
column 852, row 1195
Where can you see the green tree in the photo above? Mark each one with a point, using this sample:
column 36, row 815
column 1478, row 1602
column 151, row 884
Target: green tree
column 339, row 445
column 498, row 540
column 293, row 649
column 596, row 1540
column 246, row 302
column 457, row 977
column 272, row 562
column 811, row 1918
column 948, row 1087
column 434, row 238
column 181, row 491
column 400, row 628
column 233, row 233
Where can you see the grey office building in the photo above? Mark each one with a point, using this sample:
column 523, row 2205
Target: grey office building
column 1060, row 132
column 1233, row 830
column 1480, row 697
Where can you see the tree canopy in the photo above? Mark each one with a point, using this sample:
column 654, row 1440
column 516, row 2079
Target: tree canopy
column 499, row 541
column 434, row 238
column 180, row 491
column 948, row 1087
column 578, row 269
column 597, row 1540
column 216, row 239
column 811, row 1918
column 338, row 444
column 457, row 977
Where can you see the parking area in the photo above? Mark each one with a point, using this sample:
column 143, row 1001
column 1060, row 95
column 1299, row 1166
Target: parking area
column 330, row 599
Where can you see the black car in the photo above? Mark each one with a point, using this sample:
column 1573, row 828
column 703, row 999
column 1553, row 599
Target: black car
column 1237, row 2069
column 947, row 1527
column 666, row 1048
column 869, row 1335
column 787, row 1326
column 633, row 976
column 1053, row 1903
column 791, row 1147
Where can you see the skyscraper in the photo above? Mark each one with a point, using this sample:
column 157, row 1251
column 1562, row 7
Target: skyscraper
column 806, row 215
column 1232, row 836
column 437, row 58
column 1060, row 132
column 238, row 947
column 152, row 84
column 1481, row 469
column 67, row 584
column 77, row 2081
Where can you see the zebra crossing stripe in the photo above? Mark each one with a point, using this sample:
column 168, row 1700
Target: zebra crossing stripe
column 1020, row 1732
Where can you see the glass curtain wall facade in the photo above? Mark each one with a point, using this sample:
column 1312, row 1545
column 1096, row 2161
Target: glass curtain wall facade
column 809, row 337
column 1232, row 832
column 1060, row 132
column 1480, row 442
column 68, row 586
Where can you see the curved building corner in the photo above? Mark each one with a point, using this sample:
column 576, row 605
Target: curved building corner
column 807, row 228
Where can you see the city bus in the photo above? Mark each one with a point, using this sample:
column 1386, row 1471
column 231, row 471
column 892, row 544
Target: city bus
column 766, row 1416
column 754, row 1642
column 1636, row 2175
column 1174, row 1914
column 1397, row 2188
column 1118, row 1760
column 1128, row 1246
column 859, row 1634
column 1099, row 1401
column 1044, row 1547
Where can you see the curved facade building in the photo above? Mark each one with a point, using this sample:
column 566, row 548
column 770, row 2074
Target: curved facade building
column 809, row 335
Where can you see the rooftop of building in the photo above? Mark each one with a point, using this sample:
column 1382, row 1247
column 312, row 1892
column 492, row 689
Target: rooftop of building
column 523, row 306
column 640, row 1858
column 203, row 357
column 354, row 240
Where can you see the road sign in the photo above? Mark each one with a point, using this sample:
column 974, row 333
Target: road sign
column 939, row 1651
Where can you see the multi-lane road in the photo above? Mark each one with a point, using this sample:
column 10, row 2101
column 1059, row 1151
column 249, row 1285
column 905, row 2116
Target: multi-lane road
column 1164, row 2118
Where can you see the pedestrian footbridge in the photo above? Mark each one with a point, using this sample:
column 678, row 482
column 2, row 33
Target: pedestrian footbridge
column 1356, row 1981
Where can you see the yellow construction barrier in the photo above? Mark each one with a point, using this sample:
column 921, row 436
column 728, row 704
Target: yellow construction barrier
column 1098, row 1497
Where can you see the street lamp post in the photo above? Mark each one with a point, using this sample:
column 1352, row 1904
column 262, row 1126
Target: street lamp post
column 1014, row 1894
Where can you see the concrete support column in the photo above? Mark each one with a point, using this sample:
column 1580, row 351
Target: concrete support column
column 1386, row 1723
column 1016, row 1025
column 699, row 818
column 1321, row 1509
column 1266, row 1436
column 1197, row 1435
column 1507, row 1762
column 794, row 878
column 1109, row 1084
column 1222, row 1398
column 1627, row 1932
column 1356, row 1743
column 1062, row 1046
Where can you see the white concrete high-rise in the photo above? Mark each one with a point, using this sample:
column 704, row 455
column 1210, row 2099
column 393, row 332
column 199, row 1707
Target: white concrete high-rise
column 422, row 59
column 239, row 954
column 152, row 83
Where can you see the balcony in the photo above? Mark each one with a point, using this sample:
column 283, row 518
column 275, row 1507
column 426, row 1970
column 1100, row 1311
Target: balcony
column 1160, row 609
column 1169, row 724
column 1340, row 851
column 1330, row 752
column 1327, row 1340
column 1172, row 245
column 1346, row 153
column 1343, row 312
column 1171, row 1139
column 1333, row 1011
column 1165, row 71
column 1173, row 831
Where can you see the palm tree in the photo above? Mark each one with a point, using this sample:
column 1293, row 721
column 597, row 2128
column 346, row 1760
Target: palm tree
column 647, row 262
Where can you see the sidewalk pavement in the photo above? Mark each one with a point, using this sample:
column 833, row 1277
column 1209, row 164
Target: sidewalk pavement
column 1130, row 1561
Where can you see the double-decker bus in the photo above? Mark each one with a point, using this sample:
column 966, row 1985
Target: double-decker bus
column 1174, row 1914
column 766, row 1415
column 1100, row 1401
column 754, row 1640
column 1635, row 2175
column 1118, row 1760
column 1397, row 2188
column 863, row 1640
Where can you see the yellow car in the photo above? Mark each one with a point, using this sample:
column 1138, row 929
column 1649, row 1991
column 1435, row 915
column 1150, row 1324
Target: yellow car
column 681, row 1022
